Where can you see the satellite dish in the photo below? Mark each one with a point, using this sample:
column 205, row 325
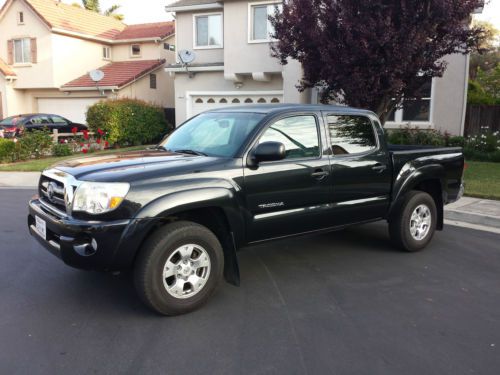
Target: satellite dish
column 187, row 56
column 96, row 75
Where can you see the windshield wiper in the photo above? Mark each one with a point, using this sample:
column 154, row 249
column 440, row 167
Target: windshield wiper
column 191, row 152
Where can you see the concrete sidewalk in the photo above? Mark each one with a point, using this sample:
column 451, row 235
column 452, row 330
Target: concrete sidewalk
column 477, row 212
column 19, row 179
column 483, row 212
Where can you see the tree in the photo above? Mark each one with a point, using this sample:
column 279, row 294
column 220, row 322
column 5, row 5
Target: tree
column 372, row 53
column 94, row 6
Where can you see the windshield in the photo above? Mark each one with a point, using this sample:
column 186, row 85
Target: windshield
column 14, row 120
column 213, row 133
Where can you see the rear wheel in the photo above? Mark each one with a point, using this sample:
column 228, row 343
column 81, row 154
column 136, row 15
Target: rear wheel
column 413, row 225
column 178, row 268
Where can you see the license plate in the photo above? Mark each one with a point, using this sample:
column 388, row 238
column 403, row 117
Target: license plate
column 41, row 227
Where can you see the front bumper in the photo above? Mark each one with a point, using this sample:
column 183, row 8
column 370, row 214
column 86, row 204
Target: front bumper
column 81, row 244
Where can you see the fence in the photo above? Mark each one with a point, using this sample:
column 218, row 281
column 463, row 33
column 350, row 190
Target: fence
column 56, row 135
column 481, row 119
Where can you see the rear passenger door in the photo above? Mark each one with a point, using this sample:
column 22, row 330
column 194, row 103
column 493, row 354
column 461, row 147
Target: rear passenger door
column 361, row 174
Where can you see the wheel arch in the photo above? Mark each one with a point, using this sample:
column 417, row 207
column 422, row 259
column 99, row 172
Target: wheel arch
column 214, row 208
column 429, row 179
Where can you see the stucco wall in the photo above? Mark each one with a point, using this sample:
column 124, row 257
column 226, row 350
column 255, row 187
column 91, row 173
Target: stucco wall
column 184, row 30
column 74, row 57
column 240, row 56
column 210, row 82
column 450, row 96
column 149, row 51
column 31, row 75
column 163, row 95
column 3, row 100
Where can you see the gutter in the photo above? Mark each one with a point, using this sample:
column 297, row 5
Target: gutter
column 188, row 8
column 466, row 86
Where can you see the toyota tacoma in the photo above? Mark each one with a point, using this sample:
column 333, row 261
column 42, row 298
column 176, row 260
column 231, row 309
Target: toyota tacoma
column 176, row 214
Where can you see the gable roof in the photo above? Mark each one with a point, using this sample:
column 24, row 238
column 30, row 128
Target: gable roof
column 6, row 70
column 147, row 30
column 58, row 15
column 71, row 19
column 117, row 74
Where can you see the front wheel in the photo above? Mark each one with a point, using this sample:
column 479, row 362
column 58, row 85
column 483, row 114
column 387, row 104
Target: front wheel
column 413, row 225
column 178, row 268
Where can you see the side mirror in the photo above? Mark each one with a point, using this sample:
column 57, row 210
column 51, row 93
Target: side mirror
column 266, row 151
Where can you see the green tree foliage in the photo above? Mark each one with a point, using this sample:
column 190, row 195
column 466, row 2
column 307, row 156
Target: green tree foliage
column 485, row 88
column 95, row 6
column 128, row 121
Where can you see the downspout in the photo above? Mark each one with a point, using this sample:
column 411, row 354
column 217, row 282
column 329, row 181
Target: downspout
column 466, row 85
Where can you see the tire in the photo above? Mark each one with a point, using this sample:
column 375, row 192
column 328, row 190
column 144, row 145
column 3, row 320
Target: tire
column 405, row 233
column 168, row 279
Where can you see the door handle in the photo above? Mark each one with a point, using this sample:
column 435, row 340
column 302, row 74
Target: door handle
column 319, row 174
column 379, row 167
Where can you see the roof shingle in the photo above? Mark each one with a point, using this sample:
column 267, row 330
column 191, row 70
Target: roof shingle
column 76, row 19
column 147, row 30
column 118, row 74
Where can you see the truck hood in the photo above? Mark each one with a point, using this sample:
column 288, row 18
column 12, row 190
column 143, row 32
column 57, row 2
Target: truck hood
column 135, row 165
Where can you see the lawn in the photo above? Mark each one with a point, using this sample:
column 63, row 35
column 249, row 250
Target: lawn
column 41, row 164
column 482, row 180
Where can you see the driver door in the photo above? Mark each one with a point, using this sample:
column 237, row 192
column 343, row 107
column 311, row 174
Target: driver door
column 291, row 195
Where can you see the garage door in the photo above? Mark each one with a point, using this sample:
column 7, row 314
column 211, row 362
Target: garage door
column 73, row 109
column 201, row 103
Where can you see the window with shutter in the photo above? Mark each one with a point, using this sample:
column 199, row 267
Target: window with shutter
column 34, row 52
column 10, row 51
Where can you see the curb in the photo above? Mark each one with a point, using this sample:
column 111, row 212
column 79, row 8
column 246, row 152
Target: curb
column 472, row 218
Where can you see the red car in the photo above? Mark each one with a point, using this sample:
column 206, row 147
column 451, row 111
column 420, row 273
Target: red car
column 12, row 127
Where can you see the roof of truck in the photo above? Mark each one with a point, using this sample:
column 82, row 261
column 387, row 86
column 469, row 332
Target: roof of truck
column 277, row 108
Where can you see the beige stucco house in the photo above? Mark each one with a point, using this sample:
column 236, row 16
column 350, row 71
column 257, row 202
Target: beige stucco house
column 47, row 49
column 233, row 65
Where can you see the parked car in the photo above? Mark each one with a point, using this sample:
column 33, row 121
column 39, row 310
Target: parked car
column 232, row 177
column 40, row 121
column 12, row 127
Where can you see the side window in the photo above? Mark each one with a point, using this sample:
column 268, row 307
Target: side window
column 40, row 120
column 351, row 134
column 299, row 134
column 58, row 120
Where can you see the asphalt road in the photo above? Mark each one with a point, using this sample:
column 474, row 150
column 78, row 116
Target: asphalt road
column 340, row 303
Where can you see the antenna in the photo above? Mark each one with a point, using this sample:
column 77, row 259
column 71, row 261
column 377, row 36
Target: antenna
column 186, row 56
column 96, row 76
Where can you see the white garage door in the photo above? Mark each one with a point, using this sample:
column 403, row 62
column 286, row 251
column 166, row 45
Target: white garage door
column 201, row 103
column 73, row 109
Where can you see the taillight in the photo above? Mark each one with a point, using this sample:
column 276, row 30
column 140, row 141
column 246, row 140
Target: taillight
column 466, row 166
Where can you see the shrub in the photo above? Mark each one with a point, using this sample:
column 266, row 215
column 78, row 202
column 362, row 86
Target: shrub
column 34, row 144
column 61, row 149
column 7, row 148
column 127, row 121
column 415, row 136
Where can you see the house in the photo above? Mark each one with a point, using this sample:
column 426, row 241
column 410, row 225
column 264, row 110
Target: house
column 47, row 49
column 233, row 65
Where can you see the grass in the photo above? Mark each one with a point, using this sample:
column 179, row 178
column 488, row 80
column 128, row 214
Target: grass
column 39, row 165
column 482, row 180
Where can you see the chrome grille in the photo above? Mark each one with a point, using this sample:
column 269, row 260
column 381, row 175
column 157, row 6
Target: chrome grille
column 52, row 192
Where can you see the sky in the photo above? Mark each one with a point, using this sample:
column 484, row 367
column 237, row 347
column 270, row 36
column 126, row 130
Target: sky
column 141, row 11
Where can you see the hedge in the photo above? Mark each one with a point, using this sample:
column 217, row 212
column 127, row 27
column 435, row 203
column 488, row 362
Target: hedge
column 128, row 121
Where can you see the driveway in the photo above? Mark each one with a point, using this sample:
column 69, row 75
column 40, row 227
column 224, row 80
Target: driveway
column 339, row 303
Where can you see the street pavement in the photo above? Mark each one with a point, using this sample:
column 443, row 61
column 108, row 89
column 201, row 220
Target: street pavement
column 338, row 303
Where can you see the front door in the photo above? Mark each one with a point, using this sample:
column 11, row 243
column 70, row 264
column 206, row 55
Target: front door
column 290, row 195
column 361, row 173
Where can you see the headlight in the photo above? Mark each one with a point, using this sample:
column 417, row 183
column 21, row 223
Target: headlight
column 99, row 197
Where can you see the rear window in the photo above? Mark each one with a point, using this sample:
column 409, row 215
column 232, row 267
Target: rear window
column 351, row 134
column 14, row 120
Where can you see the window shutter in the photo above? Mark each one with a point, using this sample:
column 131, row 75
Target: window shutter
column 33, row 51
column 10, row 51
